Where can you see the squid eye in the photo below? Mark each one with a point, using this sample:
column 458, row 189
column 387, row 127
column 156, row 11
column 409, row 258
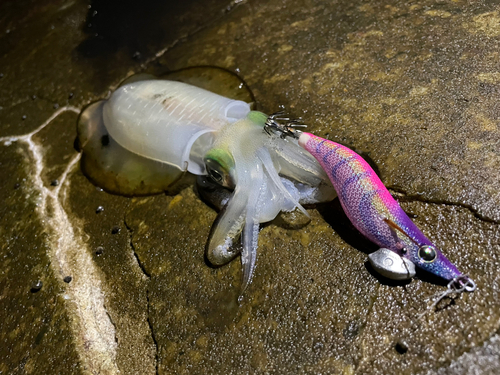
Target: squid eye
column 427, row 253
column 216, row 176
column 220, row 166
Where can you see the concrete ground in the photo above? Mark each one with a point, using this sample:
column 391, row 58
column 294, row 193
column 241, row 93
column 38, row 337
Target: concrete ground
column 125, row 289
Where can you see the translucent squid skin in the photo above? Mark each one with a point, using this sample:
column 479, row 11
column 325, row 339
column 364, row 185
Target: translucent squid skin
column 371, row 208
column 151, row 131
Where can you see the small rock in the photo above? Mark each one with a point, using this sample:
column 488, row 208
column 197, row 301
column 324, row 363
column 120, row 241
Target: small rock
column 67, row 279
column 115, row 230
column 24, row 117
column 99, row 250
column 293, row 220
column 54, row 182
column 70, row 95
column 99, row 209
column 17, row 185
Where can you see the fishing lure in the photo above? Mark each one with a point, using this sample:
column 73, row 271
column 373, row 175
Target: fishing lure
column 375, row 213
column 153, row 130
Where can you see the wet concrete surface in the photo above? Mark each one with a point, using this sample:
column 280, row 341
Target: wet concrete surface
column 414, row 86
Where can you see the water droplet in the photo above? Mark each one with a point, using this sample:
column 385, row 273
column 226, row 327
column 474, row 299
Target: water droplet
column 36, row 286
column 401, row 346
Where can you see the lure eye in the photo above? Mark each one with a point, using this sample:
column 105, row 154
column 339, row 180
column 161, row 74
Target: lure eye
column 427, row 253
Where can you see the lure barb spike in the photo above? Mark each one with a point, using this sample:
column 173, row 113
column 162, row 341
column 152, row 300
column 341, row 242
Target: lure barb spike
column 287, row 126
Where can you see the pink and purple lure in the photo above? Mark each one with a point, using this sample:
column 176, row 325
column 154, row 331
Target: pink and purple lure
column 372, row 209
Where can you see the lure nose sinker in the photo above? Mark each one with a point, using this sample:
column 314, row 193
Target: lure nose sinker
column 391, row 265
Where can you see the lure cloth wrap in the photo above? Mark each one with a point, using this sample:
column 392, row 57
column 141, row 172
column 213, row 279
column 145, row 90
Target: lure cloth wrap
column 370, row 207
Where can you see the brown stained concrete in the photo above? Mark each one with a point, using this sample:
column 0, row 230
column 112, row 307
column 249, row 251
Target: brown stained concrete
column 98, row 321
column 32, row 321
column 414, row 86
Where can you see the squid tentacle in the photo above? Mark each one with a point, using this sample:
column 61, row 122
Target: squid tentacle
column 264, row 156
column 251, row 230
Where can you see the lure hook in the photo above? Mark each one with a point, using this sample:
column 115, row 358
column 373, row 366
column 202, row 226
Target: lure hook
column 286, row 128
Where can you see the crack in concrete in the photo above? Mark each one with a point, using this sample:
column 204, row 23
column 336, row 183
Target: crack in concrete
column 157, row 354
column 403, row 196
column 92, row 328
column 364, row 360
column 134, row 252
column 148, row 303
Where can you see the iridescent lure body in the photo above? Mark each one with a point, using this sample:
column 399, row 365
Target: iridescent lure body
column 376, row 214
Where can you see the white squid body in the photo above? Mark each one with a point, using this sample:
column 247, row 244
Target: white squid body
column 199, row 131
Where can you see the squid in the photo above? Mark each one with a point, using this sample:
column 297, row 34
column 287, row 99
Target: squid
column 151, row 131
